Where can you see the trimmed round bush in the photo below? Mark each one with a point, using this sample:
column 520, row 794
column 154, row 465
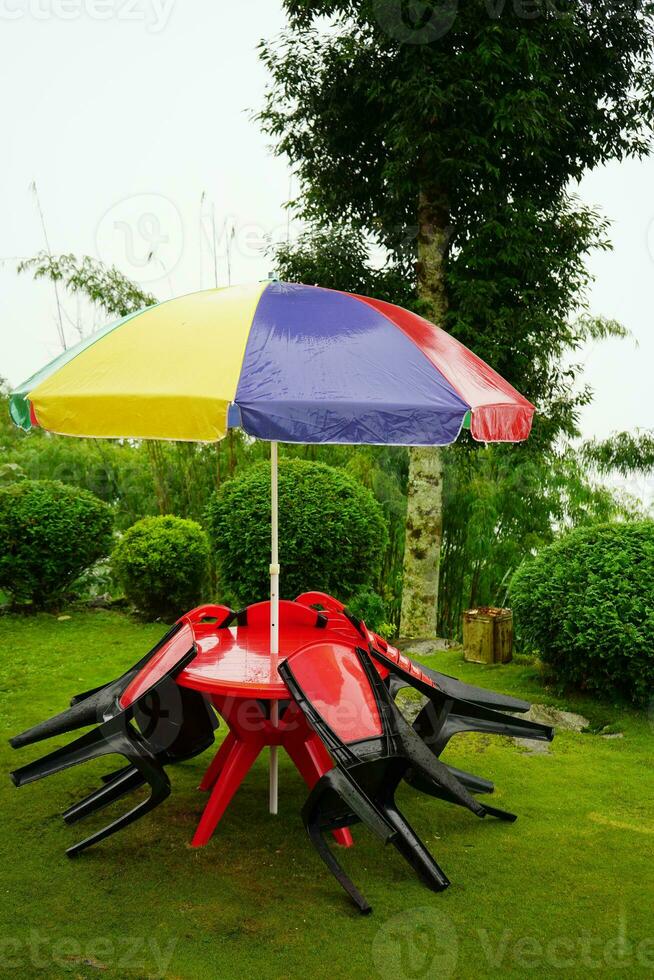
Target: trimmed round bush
column 162, row 564
column 371, row 608
column 586, row 605
column 332, row 532
column 50, row 533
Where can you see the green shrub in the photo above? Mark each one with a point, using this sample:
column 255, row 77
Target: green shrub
column 369, row 606
column 50, row 533
column 586, row 605
column 162, row 563
column 332, row 533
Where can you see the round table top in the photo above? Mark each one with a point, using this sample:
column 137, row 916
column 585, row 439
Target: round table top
column 237, row 661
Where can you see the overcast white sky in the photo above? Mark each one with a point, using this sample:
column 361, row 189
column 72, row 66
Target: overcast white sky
column 125, row 111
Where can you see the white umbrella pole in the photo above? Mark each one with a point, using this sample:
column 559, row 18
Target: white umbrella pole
column 274, row 615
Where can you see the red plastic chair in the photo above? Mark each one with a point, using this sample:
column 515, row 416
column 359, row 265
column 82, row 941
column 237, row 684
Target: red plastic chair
column 338, row 616
column 210, row 613
column 257, row 616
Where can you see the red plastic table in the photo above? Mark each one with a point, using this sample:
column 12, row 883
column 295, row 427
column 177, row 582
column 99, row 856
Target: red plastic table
column 234, row 668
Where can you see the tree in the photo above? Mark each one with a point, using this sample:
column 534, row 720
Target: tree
column 623, row 452
column 452, row 138
column 105, row 287
column 500, row 503
column 503, row 504
column 337, row 256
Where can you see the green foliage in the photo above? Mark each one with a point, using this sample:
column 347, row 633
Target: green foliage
column 331, row 529
column 488, row 115
column 162, row 564
column 371, row 608
column 49, row 534
column 104, row 286
column 623, row 452
column 501, row 504
column 586, row 604
column 338, row 257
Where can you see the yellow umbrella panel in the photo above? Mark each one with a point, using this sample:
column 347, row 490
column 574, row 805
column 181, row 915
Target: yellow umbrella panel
column 167, row 372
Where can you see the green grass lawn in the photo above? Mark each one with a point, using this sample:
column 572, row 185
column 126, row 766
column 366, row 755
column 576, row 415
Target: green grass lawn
column 566, row 891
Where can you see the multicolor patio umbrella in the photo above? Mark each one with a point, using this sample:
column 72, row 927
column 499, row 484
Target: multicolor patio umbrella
column 285, row 362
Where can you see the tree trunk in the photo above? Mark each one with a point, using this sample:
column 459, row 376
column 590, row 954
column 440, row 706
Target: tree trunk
column 424, row 519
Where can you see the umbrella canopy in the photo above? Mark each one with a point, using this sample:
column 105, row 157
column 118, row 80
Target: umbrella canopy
column 285, row 362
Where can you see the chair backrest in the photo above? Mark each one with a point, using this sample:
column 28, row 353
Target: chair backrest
column 401, row 665
column 221, row 615
column 322, row 599
column 338, row 616
column 168, row 660
column 257, row 616
column 210, row 613
column 335, row 685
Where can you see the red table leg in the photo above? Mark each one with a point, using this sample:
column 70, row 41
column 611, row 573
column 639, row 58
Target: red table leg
column 217, row 763
column 250, row 732
column 237, row 765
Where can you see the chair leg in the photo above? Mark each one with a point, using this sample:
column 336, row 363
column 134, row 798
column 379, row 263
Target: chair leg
column 127, row 781
column 425, row 784
column 105, row 740
column 77, row 698
column 493, row 811
column 436, row 725
column 412, row 849
column 110, row 776
column 476, row 784
column 446, row 785
column 160, row 785
column 356, row 805
column 77, row 716
column 313, row 829
column 89, row 746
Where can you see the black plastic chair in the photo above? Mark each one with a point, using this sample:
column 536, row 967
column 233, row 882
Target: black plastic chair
column 168, row 733
column 446, row 714
column 174, row 733
column 346, row 702
column 87, row 708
